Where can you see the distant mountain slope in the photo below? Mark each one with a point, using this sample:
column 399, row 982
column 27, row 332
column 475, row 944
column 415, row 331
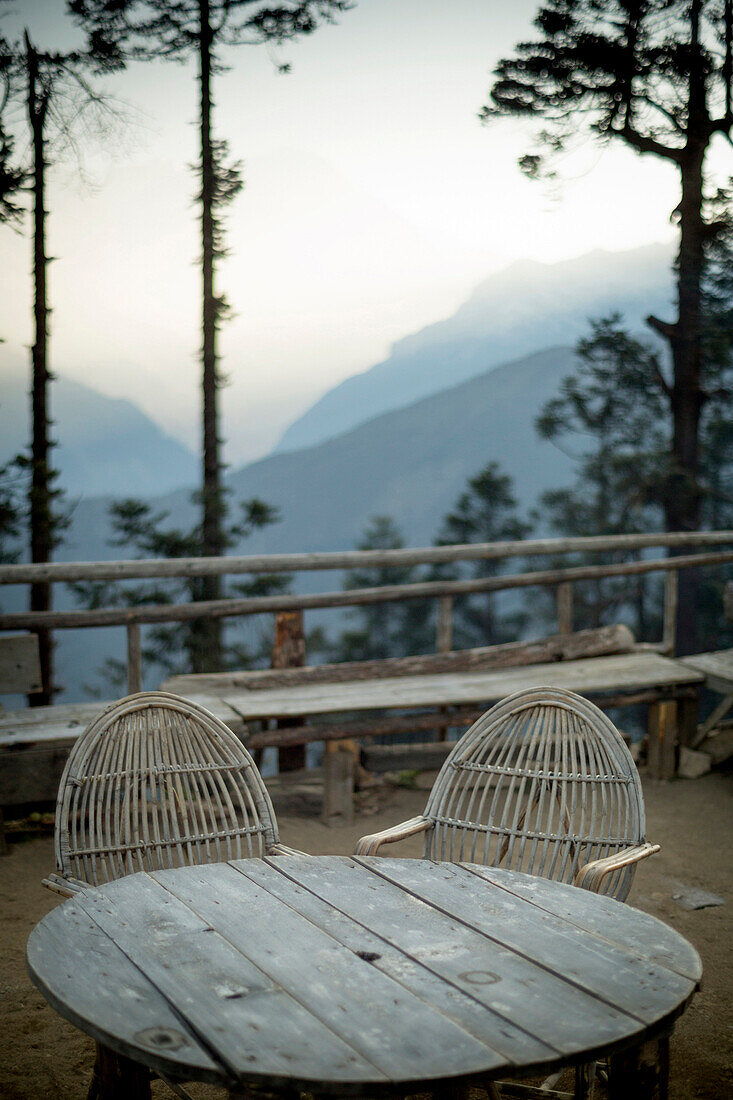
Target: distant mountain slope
column 527, row 307
column 410, row 464
column 106, row 445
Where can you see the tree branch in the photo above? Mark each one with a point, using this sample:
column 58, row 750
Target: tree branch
column 647, row 144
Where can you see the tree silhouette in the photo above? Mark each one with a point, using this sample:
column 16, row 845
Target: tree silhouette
column 59, row 104
column 177, row 30
column 657, row 76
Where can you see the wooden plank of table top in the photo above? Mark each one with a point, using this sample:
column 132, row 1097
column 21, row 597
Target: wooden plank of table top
column 338, row 986
column 716, row 667
column 254, row 1026
column 592, row 675
column 549, row 1007
column 646, row 936
column 119, row 1004
column 513, row 1042
column 605, row 968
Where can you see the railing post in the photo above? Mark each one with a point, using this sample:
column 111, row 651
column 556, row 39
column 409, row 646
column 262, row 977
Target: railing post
column 288, row 651
column 134, row 659
column 565, row 608
column 444, row 633
column 669, row 626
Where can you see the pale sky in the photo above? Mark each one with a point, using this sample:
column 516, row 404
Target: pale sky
column 374, row 202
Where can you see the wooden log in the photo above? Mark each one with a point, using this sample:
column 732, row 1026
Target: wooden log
column 350, row 559
column 288, row 651
column 604, row 641
column 425, row 756
column 355, row 597
column 20, row 667
column 365, row 727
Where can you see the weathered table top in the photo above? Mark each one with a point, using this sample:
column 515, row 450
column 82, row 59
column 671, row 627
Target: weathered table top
column 627, row 672
column 334, row 973
column 716, row 667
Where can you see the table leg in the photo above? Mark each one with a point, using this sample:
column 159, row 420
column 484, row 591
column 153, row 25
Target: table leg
column 640, row 1073
column 118, row 1078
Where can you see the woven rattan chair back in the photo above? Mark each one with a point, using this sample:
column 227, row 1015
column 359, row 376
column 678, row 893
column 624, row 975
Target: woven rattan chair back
column 157, row 781
column 542, row 783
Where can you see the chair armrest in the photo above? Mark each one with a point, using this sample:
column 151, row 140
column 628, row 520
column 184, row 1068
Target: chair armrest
column 369, row 845
column 591, row 875
column 283, row 850
column 66, row 886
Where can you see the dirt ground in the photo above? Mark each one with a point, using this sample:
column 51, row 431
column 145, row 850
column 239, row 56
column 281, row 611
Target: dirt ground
column 42, row 1056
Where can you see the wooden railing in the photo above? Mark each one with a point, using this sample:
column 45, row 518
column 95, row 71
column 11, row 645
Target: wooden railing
column 707, row 546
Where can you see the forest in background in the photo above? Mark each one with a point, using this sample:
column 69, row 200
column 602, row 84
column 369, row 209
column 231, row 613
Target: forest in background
column 647, row 419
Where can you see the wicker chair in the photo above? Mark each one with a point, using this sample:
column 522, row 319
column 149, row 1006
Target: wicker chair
column 157, row 781
column 541, row 783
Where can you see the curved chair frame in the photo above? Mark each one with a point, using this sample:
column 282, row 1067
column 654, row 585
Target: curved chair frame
column 541, row 783
column 157, row 781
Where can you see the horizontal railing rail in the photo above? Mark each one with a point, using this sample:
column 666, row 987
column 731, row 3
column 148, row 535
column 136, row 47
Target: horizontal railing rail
column 355, row 597
column 141, row 568
column 708, row 545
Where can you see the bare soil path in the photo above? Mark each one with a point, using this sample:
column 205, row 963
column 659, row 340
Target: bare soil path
column 42, row 1056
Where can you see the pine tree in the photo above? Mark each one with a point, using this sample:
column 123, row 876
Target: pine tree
column 177, row 30
column 656, row 75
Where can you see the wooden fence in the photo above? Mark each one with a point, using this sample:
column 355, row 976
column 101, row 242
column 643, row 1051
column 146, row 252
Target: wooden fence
column 706, row 549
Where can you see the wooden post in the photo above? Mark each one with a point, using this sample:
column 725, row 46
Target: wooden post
column 134, row 659
column 288, row 651
column 641, row 1073
column 565, row 608
column 339, row 763
column 669, row 628
column 444, row 636
column 662, row 744
column 444, row 642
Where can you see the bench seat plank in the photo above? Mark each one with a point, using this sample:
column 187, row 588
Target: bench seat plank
column 592, row 675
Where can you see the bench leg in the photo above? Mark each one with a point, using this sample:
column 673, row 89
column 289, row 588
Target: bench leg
column 118, row 1078
column 4, row 850
column 662, row 752
column 338, row 782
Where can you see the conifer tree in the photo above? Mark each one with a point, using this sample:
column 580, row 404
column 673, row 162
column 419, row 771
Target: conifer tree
column 657, row 76
column 177, row 30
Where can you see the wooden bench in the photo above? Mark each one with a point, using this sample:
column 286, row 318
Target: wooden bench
column 20, row 674
column 374, row 699
column 35, row 742
column 338, row 704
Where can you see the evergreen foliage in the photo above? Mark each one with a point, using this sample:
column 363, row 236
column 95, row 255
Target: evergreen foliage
column 174, row 647
column 154, row 29
column 382, row 629
column 656, row 75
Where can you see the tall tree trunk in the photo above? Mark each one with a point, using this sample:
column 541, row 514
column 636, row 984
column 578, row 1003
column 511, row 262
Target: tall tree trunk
column 207, row 634
column 683, row 498
column 41, row 517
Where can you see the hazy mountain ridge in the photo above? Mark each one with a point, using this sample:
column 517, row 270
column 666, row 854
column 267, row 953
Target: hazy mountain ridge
column 411, row 464
column 525, row 308
column 107, row 445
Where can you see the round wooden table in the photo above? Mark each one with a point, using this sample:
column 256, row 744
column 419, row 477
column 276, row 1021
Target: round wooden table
column 332, row 974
